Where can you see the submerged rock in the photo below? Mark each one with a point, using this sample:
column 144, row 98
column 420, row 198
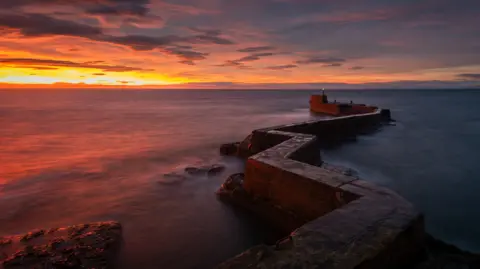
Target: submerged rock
column 210, row 170
column 29, row 236
column 233, row 182
column 229, row 149
column 5, row 241
column 176, row 177
column 172, row 178
column 241, row 149
column 81, row 246
column 215, row 169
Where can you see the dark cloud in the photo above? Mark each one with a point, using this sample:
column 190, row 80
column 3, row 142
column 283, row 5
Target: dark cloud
column 98, row 74
column 39, row 25
column 254, row 57
column 21, row 3
column 326, row 61
column 235, row 64
column 469, row 76
column 208, row 32
column 187, row 62
column 140, row 42
column 188, row 55
column 257, row 49
column 356, row 68
column 208, row 39
column 230, row 63
column 281, row 67
column 239, row 63
column 184, row 47
column 94, row 62
column 332, row 65
column 38, row 67
column 58, row 63
column 119, row 10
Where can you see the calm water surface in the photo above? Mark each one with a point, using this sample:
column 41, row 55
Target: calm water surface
column 69, row 157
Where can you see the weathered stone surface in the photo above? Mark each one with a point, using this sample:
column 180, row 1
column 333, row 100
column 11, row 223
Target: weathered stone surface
column 82, row 246
column 340, row 169
column 281, row 219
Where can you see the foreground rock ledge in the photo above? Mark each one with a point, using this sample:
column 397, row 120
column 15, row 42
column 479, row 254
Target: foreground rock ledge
column 93, row 245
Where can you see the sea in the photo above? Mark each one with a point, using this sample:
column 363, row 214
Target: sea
column 77, row 156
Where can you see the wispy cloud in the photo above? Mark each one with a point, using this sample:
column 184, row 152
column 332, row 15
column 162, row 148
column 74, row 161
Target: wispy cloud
column 281, row 67
column 254, row 57
column 31, row 25
column 257, row 49
column 44, row 63
column 330, row 61
column 470, row 76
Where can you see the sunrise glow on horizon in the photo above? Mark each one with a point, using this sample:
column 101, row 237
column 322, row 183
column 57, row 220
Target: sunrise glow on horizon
column 218, row 43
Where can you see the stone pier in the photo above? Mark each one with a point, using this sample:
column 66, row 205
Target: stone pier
column 335, row 220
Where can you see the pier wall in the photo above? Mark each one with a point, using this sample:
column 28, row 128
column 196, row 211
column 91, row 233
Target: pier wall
column 348, row 222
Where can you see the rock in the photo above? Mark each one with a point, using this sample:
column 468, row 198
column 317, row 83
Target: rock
column 285, row 243
column 233, row 182
column 194, row 170
column 31, row 235
column 81, row 246
column 229, row 149
column 241, row 149
column 215, row 169
column 210, row 170
column 264, row 253
column 172, row 178
column 52, row 230
column 5, row 241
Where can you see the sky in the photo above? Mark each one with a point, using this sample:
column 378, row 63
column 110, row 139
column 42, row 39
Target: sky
column 240, row 43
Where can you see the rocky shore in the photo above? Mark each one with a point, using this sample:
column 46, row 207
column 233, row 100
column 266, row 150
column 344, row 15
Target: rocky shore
column 93, row 245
